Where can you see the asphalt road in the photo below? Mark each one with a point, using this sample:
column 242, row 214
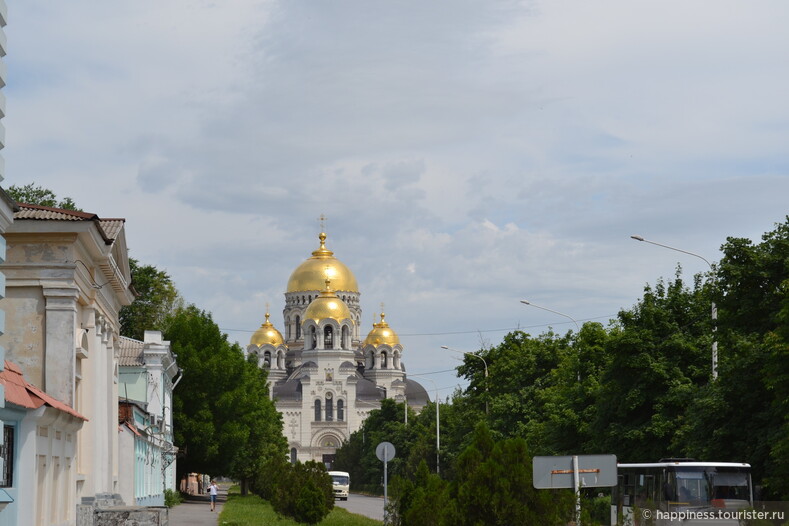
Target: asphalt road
column 372, row 507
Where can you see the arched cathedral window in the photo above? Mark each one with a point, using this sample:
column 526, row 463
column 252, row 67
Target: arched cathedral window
column 298, row 327
column 317, row 410
column 328, row 337
column 340, row 410
column 329, row 407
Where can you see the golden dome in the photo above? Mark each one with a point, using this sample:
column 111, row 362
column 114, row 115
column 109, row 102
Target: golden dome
column 267, row 334
column 312, row 273
column 327, row 305
column 382, row 334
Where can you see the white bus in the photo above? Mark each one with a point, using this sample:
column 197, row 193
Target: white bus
column 341, row 483
column 681, row 491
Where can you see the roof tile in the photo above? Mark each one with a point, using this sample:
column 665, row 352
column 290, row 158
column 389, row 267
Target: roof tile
column 20, row 392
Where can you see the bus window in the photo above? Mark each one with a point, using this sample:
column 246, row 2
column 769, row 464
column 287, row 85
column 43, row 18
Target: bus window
column 730, row 486
column 691, row 487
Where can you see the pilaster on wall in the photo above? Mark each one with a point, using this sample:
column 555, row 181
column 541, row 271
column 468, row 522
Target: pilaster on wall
column 61, row 321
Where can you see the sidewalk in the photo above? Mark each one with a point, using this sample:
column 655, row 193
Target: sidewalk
column 196, row 510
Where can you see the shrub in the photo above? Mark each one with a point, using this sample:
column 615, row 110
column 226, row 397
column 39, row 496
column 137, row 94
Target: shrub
column 172, row 498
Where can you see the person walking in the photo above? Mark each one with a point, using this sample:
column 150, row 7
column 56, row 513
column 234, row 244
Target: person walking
column 212, row 491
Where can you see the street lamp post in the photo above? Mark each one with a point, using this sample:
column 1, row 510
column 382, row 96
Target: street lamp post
column 714, row 306
column 486, row 370
column 577, row 327
column 438, row 421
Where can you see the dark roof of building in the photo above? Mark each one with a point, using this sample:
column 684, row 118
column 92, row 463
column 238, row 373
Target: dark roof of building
column 290, row 390
column 109, row 228
column 415, row 393
column 367, row 390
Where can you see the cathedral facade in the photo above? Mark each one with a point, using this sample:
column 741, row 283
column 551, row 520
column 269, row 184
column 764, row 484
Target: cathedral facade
column 324, row 378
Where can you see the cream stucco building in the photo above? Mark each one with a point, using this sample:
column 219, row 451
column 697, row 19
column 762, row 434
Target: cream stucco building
column 326, row 374
column 67, row 277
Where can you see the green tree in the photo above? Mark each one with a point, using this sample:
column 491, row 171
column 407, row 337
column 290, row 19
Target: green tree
column 570, row 399
column 743, row 415
column 357, row 454
column 37, row 195
column 659, row 358
column 492, row 486
column 156, row 299
column 421, row 501
column 521, row 369
column 224, row 421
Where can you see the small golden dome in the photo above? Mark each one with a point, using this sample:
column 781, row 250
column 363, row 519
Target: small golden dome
column 311, row 274
column 267, row 334
column 382, row 334
column 327, row 305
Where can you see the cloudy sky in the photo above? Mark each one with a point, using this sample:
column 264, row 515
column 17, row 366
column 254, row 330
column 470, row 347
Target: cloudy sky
column 467, row 154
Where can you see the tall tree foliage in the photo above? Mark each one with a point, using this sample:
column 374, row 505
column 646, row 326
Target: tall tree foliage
column 38, row 195
column 743, row 415
column 156, row 299
column 659, row 356
column 492, row 485
column 224, row 421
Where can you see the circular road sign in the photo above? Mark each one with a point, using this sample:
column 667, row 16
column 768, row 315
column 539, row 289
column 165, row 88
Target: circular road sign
column 385, row 448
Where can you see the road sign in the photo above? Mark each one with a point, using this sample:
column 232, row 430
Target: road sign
column 594, row 471
column 385, row 451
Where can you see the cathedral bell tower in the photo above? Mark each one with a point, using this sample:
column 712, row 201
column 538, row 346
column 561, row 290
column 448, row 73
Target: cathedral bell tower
column 307, row 283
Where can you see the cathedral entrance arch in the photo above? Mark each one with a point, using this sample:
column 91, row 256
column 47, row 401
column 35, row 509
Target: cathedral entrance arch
column 325, row 445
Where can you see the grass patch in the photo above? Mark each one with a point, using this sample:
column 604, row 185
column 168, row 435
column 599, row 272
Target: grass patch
column 251, row 510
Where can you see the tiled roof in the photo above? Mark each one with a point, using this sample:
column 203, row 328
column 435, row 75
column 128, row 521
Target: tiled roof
column 19, row 391
column 109, row 227
column 45, row 212
column 112, row 226
column 130, row 352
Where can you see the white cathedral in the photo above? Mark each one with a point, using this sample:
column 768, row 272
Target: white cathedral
column 324, row 378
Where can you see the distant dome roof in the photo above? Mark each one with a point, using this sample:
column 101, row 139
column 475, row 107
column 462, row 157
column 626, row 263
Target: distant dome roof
column 415, row 393
column 367, row 389
column 382, row 334
column 267, row 334
column 311, row 274
column 327, row 305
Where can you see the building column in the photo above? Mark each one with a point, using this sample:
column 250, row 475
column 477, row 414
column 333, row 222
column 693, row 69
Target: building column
column 60, row 342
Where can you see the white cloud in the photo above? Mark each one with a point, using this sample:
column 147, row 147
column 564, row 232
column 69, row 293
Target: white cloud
column 466, row 157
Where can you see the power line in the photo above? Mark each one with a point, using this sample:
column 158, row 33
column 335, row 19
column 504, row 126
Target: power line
column 509, row 329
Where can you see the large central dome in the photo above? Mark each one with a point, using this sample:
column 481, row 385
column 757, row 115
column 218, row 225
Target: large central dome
column 313, row 273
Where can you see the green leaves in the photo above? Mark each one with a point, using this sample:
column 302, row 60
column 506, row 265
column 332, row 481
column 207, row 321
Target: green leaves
column 155, row 302
column 38, row 195
column 224, row 419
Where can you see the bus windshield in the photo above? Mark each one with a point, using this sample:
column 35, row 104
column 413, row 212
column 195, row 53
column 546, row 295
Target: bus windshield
column 340, row 480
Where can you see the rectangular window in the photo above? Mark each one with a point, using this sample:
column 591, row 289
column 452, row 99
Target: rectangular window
column 7, row 452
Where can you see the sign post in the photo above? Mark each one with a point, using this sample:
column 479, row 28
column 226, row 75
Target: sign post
column 385, row 452
column 574, row 472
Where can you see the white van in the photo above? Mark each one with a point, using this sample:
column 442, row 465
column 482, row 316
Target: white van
column 341, row 482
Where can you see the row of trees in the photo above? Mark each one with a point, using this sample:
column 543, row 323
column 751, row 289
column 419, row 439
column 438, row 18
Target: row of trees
column 640, row 388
